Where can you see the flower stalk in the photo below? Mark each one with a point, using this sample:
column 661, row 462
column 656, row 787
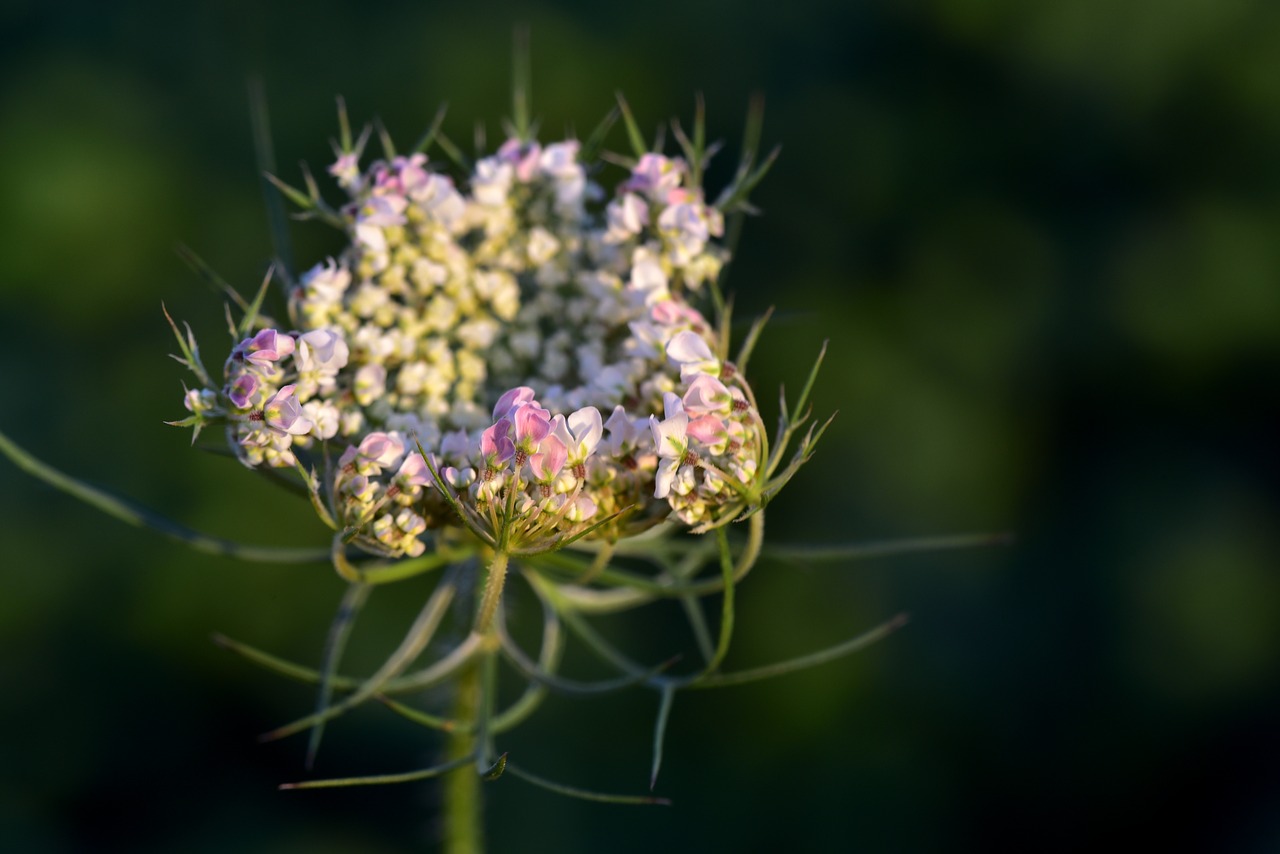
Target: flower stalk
column 463, row 799
column 495, row 579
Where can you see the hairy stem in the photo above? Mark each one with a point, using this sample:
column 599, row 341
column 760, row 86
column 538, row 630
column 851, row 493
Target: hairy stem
column 492, row 591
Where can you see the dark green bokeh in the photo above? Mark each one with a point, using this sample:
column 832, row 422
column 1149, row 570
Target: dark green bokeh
column 1042, row 238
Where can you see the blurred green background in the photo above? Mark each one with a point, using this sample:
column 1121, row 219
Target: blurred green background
column 1042, row 238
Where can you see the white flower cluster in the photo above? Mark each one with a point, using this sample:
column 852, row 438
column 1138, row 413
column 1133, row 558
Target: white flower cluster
column 452, row 309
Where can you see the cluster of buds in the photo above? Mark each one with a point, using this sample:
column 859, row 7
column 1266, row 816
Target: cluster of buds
column 507, row 372
column 489, row 327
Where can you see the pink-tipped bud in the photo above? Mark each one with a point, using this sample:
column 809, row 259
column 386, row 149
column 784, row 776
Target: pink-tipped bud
column 265, row 348
column 243, row 390
column 549, row 460
column 496, row 446
column 516, row 397
column 414, row 471
column 283, row 412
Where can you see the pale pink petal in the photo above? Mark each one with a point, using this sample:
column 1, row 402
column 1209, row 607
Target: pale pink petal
column 510, row 400
column 709, row 430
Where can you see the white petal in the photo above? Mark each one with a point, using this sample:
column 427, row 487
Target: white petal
column 587, row 429
column 688, row 346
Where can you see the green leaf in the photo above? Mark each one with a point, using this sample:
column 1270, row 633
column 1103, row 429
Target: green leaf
column 265, row 155
column 429, row 136
column 453, row 152
column 382, row 779
column 749, row 345
column 695, row 150
column 133, row 514
column 584, row 794
column 208, row 276
column 883, row 548
column 339, row 630
column 387, row 573
column 660, row 732
column 610, row 600
column 601, row 648
column 726, row 605
column 803, row 454
column 190, row 350
column 698, row 625
column 521, row 82
column 414, row 642
column 440, row 670
column 189, row 421
column 344, row 126
column 313, row 207
column 282, row 666
column 508, row 718
column 590, row 600
column 590, row 149
column 250, row 319
column 550, row 652
column 736, row 196
column 808, row 385
column 423, row 718
column 274, row 476
column 813, row 659
column 638, row 144
column 388, row 147
column 733, row 234
column 313, row 189
column 318, row 504
column 532, row 671
column 548, row 660
column 417, row 681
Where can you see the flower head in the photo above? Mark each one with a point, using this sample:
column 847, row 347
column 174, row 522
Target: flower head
column 495, row 317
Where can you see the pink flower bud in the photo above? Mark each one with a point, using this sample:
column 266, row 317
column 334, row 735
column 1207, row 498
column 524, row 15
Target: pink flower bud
column 707, row 394
column 323, row 351
column 580, row 510
column 517, row 396
column 414, row 471
column 549, row 460
column 710, row 431
column 242, row 391
column 282, row 412
column 382, row 449
column 523, row 156
column 673, row 313
column 496, row 446
column 532, row 423
column 654, row 174
column 266, row 347
column 459, row 479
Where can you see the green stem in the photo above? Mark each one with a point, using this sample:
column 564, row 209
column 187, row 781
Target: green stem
column 492, row 591
column 463, row 800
